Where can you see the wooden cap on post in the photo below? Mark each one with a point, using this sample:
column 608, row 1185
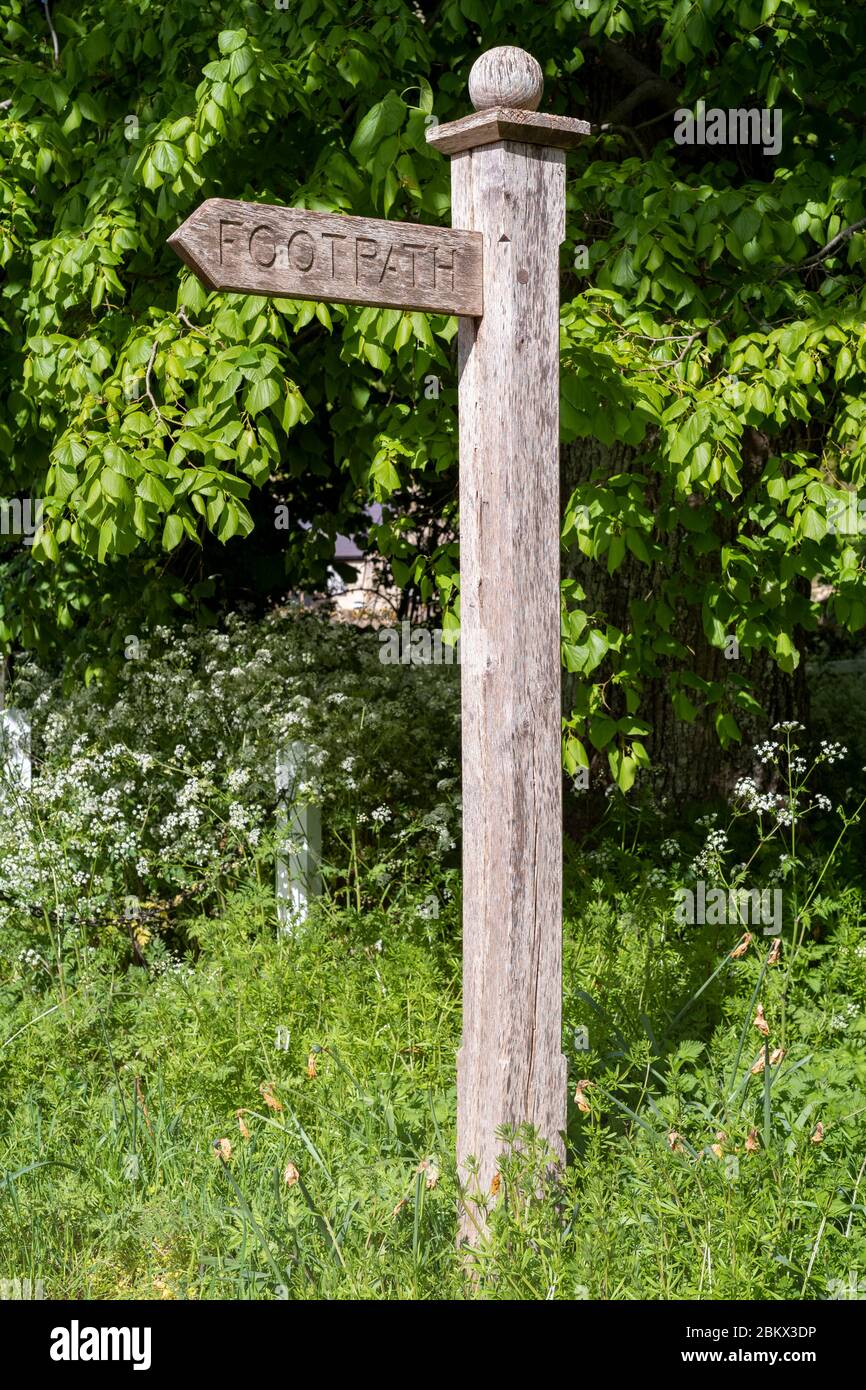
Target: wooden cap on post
column 506, row 86
column 508, row 77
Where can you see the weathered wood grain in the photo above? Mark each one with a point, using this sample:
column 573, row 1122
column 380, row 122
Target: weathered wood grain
column 506, row 76
column 510, row 1065
column 507, row 123
column 295, row 254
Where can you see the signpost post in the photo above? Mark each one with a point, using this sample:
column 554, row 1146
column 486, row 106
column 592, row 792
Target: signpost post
column 498, row 269
column 508, row 183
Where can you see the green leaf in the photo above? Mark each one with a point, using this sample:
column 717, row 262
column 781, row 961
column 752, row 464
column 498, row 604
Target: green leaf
column 714, row 630
column 640, row 755
column 637, row 545
column 260, row 395
column 683, row 707
column 357, row 68
column 616, row 553
column 727, row 728
column 382, row 120
column 152, row 490
column 574, row 755
column 114, row 486
column 623, row 767
column 376, row 356
column 49, row 547
column 173, row 532
column 601, row 730
column 596, row 648
column 230, row 39
column 383, row 473
column 167, row 158
column 786, row 653
column 107, row 540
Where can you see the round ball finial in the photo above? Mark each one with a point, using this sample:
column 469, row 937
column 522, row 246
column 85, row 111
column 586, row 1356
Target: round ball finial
column 506, row 77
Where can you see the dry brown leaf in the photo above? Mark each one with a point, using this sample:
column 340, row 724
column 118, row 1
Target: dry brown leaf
column 242, row 1125
column 818, row 1136
column 675, row 1143
column 267, row 1093
column 223, row 1149
column 742, row 946
column 400, row 1205
column 580, row 1099
column 290, row 1175
column 752, row 1144
column 775, row 952
column 760, row 1022
column 311, row 1066
column 776, row 1056
column 495, row 1184
column 759, row 1065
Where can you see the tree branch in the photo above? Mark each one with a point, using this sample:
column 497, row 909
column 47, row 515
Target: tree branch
column 625, row 65
column 55, row 42
column 675, row 361
column 645, row 91
column 147, row 382
column 628, row 130
column 832, row 245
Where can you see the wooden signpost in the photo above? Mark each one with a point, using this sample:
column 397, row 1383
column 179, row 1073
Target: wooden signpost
column 295, row 254
column 498, row 269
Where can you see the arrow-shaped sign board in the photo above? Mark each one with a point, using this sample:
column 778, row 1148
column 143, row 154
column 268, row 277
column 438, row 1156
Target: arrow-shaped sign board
column 256, row 248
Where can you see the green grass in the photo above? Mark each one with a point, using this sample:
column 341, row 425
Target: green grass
column 113, row 1101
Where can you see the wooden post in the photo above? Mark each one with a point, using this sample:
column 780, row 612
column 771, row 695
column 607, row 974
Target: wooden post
column 508, row 183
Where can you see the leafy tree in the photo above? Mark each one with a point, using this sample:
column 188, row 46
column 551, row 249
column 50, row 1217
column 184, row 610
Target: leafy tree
column 713, row 347
column 714, row 356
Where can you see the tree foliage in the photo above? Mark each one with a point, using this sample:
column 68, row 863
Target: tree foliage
column 713, row 325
